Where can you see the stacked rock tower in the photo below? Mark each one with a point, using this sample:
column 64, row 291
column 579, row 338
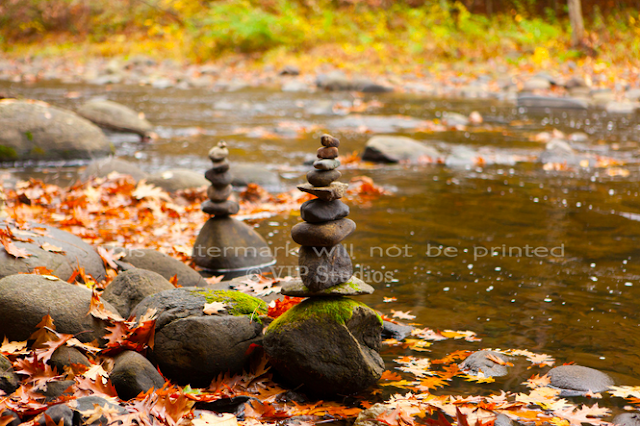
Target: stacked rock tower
column 323, row 261
column 225, row 245
column 328, row 344
column 218, row 203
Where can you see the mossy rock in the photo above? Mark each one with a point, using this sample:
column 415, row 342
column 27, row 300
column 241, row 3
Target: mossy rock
column 327, row 346
column 33, row 130
column 192, row 347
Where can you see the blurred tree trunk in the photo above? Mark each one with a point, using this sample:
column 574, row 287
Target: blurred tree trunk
column 577, row 23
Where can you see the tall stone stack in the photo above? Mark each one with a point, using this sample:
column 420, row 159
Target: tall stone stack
column 328, row 344
column 225, row 245
column 324, row 262
column 218, row 203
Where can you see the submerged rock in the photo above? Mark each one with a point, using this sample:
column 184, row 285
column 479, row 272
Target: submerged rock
column 531, row 101
column 114, row 116
column 192, row 347
column 177, row 179
column 576, row 380
column 73, row 252
column 393, row 149
column 34, row 130
column 26, row 299
column 480, row 362
column 327, row 346
column 627, row 419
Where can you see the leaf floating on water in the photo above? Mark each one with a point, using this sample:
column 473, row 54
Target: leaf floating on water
column 536, row 381
column 402, row 315
column 625, row 391
column 480, row 378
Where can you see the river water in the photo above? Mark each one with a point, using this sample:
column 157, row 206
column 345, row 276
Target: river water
column 575, row 298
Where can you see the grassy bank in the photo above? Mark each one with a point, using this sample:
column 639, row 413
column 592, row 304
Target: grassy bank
column 397, row 38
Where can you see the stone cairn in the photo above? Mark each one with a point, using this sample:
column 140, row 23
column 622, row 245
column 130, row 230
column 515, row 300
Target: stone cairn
column 218, row 203
column 327, row 345
column 324, row 263
column 225, row 245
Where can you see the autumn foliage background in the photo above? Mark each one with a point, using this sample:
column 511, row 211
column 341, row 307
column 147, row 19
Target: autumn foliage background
column 389, row 35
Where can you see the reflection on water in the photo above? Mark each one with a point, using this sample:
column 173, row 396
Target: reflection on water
column 527, row 258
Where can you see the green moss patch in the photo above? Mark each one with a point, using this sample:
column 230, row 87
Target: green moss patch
column 239, row 303
column 337, row 309
column 7, row 153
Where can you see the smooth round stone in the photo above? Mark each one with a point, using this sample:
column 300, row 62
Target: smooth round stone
column 328, row 152
column 326, row 164
column 324, row 267
column 330, row 141
column 218, row 153
column 317, row 210
column 353, row 287
column 220, row 166
column 326, row 234
column 323, row 177
column 225, row 245
column 218, row 194
column 332, row 192
column 219, row 180
column 576, row 380
column 225, row 208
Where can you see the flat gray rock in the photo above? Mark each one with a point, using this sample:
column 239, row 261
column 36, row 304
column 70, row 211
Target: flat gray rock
column 353, row 287
column 576, row 380
column 479, row 362
column 393, row 149
column 177, row 179
column 114, row 116
column 532, row 101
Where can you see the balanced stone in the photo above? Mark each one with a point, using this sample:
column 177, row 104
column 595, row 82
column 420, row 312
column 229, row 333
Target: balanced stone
column 328, row 152
column 328, row 140
column 326, row 164
column 220, row 166
column 353, row 287
column 218, row 194
column 318, row 210
column 219, row 152
column 326, row 234
column 332, row 192
column 225, row 208
column 324, row 267
column 323, row 177
column 219, row 180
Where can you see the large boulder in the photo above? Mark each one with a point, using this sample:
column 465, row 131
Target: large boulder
column 130, row 287
column 164, row 265
column 133, row 374
column 73, row 252
column 328, row 346
column 26, row 299
column 79, row 411
column 177, row 179
column 576, row 380
column 34, row 130
column 393, row 149
column 104, row 167
column 114, row 116
column 193, row 347
column 225, row 245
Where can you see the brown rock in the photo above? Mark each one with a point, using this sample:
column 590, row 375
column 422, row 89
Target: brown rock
column 328, row 153
column 324, row 267
column 328, row 140
column 219, row 180
column 323, row 177
column 225, row 208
